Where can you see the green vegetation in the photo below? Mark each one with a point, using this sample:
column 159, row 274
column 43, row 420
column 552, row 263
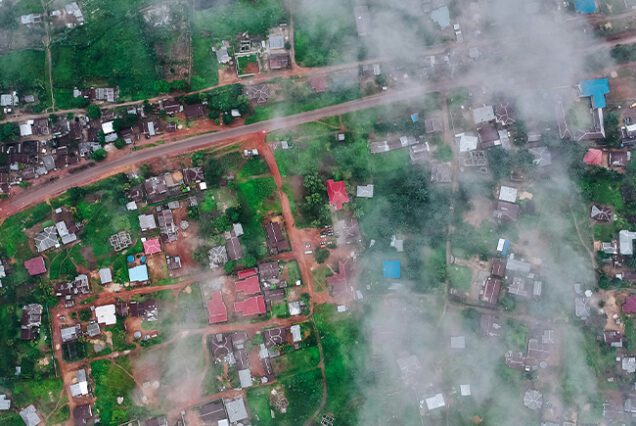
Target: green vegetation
column 244, row 62
column 9, row 132
column 317, row 43
column 24, row 71
column 257, row 200
column 624, row 53
column 47, row 395
column 460, row 276
column 205, row 71
column 112, row 380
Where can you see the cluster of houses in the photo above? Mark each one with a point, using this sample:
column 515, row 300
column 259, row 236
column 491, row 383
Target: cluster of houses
column 250, row 54
column 69, row 16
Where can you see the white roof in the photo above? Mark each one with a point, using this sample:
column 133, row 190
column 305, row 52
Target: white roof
column 26, row 129
column 464, row 390
column 245, row 377
column 5, row 403
column 458, row 342
column 131, row 206
column 236, row 410
column 364, row 191
column 79, row 389
column 106, row 314
column 467, row 142
column 294, row 308
column 508, row 193
column 105, row 276
column 108, row 127
column 483, row 114
column 500, row 244
column 626, row 242
column 147, row 221
column 436, row 401
column 296, row 334
column 30, row 416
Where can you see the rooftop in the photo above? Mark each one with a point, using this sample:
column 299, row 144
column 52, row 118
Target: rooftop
column 337, row 193
column 217, row 311
column 138, row 273
column 598, row 87
column 391, row 269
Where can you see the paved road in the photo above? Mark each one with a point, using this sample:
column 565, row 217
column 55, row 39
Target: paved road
column 43, row 192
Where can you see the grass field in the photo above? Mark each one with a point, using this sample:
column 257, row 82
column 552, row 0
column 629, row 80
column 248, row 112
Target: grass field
column 24, row 70
column 244, row 62
column 343, row 346
column 205, row 69
column 257, row 199
column 113, row 380
column 460, row 276
column 46, row 395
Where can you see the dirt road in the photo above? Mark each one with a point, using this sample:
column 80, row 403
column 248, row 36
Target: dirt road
column 46, row 191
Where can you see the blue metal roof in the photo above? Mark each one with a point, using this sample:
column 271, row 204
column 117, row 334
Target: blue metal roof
column 138, row 273
column 596, row 89
column 391, row 269
column 585, row 6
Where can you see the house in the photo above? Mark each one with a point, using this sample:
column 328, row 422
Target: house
column 276, row 240
column 466, row 142
column 65, row 234
column 433, row 125
column 492, row 288
column 488, row 136
column 613, row 338
column 78, row 287
column 46, row 239
column 222, row 55
column 193, row 175
column 279, row 61
column 296, row 333
column 156, row 421
column 70, row 334
column 233, row 248
column 318, row 84
column 236, row 410
column 79, row 387
column 337, row 193
column 194, row 112
column 152, row 246
column 593, row 157
column 626, row 242
column 167, row 227
column 83, row 415
column 5, row 404
column 35, row 266
column 217, row 257
column 362, row 17
column 585, row 7
column 147, row 222
column 217, row 311
column 364, row 191
column 93, row 329
column 106, row 314
column 147, row 310
column 269, row 273
column 30, row 321
column 156, row 189
column 339, row 283
column 629, row 306
column 138, row 274
column 483, row 114
column 245, row 378
column 252, row 306
column 30, row 416
column 213, row 413
column 170, row 106
column 506, row 212
column 434, row 402
column 508, row 194
column 391, row 269
column 173, row 262
column 105, row 276
column 600, row 213
column 247, row 286
column 498, row 268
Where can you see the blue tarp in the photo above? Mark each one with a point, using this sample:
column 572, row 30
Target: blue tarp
column 391, row 269
column 415, row 117
column 596, row 89
column 585, row 6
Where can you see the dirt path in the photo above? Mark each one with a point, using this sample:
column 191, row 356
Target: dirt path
column 297, row 244
column 585, row 245
column 47, row 48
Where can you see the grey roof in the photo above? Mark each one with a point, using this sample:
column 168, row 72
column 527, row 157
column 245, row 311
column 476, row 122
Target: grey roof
column 46, row 239
column 483, row 114
column 458, row 342
column 30, row 416
column 245, row 377
column 276, row 42
column 222, row 55
column 542, row 156
column 582, row 307
column 147, row 222
column 626, row 242
column 515, row 265
column 70, row 333
column 105, row 276
column 5, row 403
column 364, row 191
column 49, row 162
column 217, row 256
column 441, row 17
column 92, row 329
column 236, row 410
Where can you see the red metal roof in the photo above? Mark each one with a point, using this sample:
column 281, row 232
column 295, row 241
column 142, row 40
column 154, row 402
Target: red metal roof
column 337, row 193
column 629, row 307
column 35, row 266
column 152, row 246
column 217, row 311
column 491, row 290
column 248, row 286
column 252, row 306
column 247, row 273
column 593, row 157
